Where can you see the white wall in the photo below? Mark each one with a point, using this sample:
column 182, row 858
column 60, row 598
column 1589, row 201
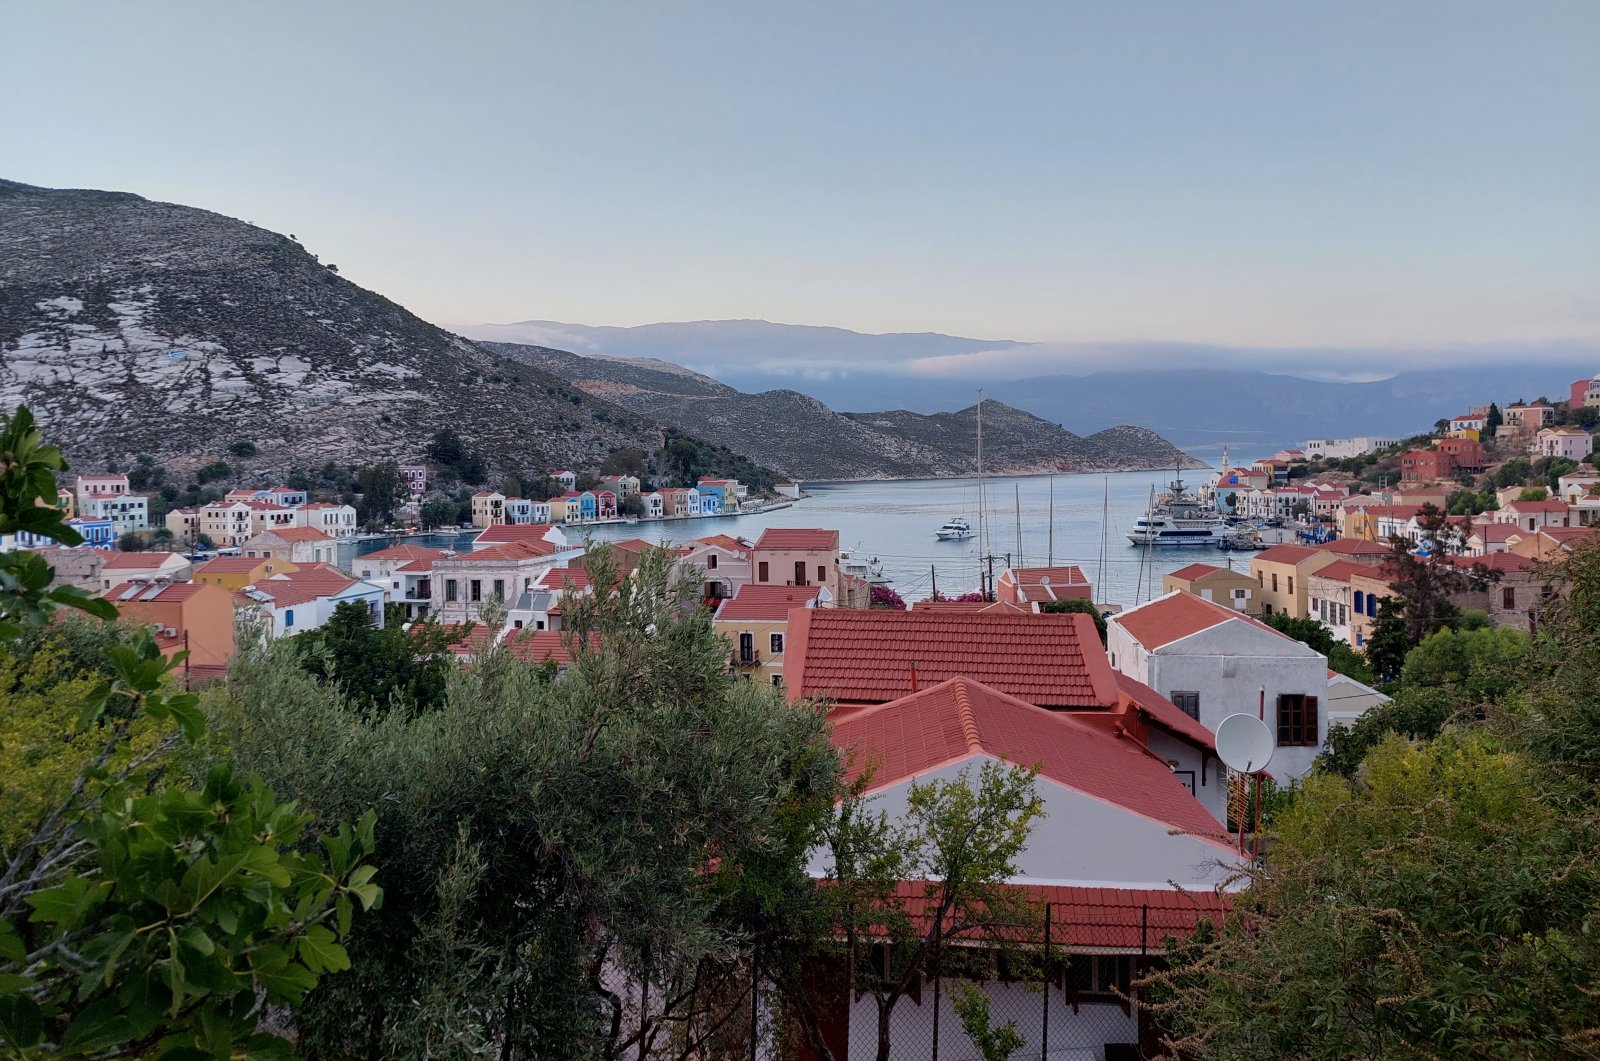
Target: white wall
column 1229, row 665
column 1082, row 840
column 1209, row 786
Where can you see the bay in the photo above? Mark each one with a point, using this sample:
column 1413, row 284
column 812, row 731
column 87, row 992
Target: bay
column 895, row 521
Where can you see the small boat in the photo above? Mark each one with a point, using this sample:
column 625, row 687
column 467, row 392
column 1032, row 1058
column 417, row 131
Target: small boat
column 1241, row 543
column 955, row 529
column 867, row 568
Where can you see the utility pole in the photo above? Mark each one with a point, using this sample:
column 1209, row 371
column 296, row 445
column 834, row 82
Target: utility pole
column 933, row 573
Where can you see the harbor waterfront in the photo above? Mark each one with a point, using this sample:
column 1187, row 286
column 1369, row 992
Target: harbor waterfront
column 896, row 522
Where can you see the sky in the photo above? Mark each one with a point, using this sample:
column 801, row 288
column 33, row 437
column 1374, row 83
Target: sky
column 1252, row 175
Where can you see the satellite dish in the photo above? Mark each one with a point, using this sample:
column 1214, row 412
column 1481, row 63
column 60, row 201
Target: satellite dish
column 1244, row 743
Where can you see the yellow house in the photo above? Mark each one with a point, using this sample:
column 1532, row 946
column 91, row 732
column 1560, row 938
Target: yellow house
column 236, row 572
column 755, row 622
column 1281, row 573
column 1224, row 586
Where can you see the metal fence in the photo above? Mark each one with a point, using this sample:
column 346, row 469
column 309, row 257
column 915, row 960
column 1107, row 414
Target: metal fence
column 1061, row 987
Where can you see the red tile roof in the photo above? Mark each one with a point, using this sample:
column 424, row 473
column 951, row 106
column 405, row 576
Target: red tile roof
column 1537, row 506
column 1165, row 713
column 976, row 607
column 1114, row 920
column 1177, row 615
column 405, row 551
column 1046, row 583
column 232, row 565
column 1495, row 533
column 959, row 718
column 299, row 534
column 1286, row 554
column 137, row 561
column 1341, row 570
column 761, row 603
column 799, row 538
column 145, row 591
column 310, row 583
column 515, row 550
column 539, row 646
column 1194, row 571
column 867, row 656
column 465, row 638
column 1353, row 547
column 723, row 541
column 515, row 532
column 1502, row 562
column 1569, row 535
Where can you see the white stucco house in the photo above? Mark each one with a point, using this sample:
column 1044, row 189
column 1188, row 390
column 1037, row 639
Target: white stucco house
column 1125, row 856
column 287, row 604
column 1214, row 662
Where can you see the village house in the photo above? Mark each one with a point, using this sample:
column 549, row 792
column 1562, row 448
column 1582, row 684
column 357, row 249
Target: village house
column 1526, row 419
column 236, row 572
column 1516, row 596
column 97, row 485
column 1473, row 421
column 128, row 512
column 724, row 563
column 520, row 511
column 1124, row 855
column 755, row 623
column 78, row 568
column 804, row 557
column 1586, row 393
column 406, row 573
column 1360, row 445
column 184, row 524
column 547, row 533
column 1532, row 515
column 621, row 485
column 336, row 521
column 190, row 617
column 415, row 477
column 1230, row 588
column 291, row 603
column 303, row 545
column 488, row 508
column 1036, row 586
column 708, row 501
column 605, row 504
column 227, row 523
column 655, row 505
column 1349, row 699
column 122, row 567
column 1549, row 542
column 675, row 501
column 1281, row 572
column 1485, row 536
column 1576, row 485
column 1213, row 662
column 1330, row 599
column 1360, row 550
column 854, row 658
column 567, row 478
column 1573, row 443
column 463, row 582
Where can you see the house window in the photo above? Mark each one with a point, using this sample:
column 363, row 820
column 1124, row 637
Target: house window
column 1297, row 720
column 1359, row 597
column 747, row 647
column 1291, row 584
column 777, row 681
column 777, row 644
column 1508, row 598
column 288, row 618
column 799, row 572
column 475, row 589
column 711, row 561
column 1261, row 579
column 1372, row 605
column 761, row 571
column 1188, row 703
column 449, row 589
column 1099, row 976
column 500, row 588
column 1274, row 582
column 822, row 573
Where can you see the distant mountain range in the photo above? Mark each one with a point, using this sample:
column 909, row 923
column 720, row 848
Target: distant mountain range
column 802, row 437
column 1191, row 399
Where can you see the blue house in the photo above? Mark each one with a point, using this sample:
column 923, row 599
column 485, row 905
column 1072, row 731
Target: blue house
column 97, row 534
column 710, row 498
column 589, row 505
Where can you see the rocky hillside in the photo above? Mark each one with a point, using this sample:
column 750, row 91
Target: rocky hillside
column 133, row 326
column 801, row 437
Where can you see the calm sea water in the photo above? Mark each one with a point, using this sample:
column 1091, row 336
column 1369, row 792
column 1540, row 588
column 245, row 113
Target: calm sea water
column 895, row 522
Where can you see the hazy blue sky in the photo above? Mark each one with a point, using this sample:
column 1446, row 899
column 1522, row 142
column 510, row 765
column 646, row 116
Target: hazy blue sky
column 1276, row 172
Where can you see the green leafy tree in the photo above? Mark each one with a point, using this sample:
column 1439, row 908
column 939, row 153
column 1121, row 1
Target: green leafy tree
column 140, row 915
column 627, row 461
column 994, row 1042
column 537, row 838
column 1389, row 640
column 1071, row 605
column 1534, row 493
column 632, row 505
column 382, row 490
column 132, row 542
column 959, row 839
column 439, row 512
column 216, row 471
column 380, row 669
column 446, row 447
column 244, row 449
column 1492, row 421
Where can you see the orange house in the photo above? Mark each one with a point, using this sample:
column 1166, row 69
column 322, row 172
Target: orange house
column 188, row 616
column 236, row 572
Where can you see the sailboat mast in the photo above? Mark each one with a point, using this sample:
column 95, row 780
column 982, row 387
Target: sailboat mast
column 983, row 541
column 1050, row 547
column 1017, row 487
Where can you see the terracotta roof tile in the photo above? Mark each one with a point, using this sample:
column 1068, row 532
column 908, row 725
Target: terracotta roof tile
column 799, row 538
column 515, row 532
column 1341, row 570
column 299, row 534
column 405, row 551
column 955, row 719
column 138, row 561
column 1353, row 547
column 1177, row 615
column 1194, row 571
column 144, row 591
column 1286, row 554
column 761, row 603
column 868, row 656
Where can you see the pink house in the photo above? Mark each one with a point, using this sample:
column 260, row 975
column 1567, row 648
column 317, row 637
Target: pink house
column 1532, row 515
